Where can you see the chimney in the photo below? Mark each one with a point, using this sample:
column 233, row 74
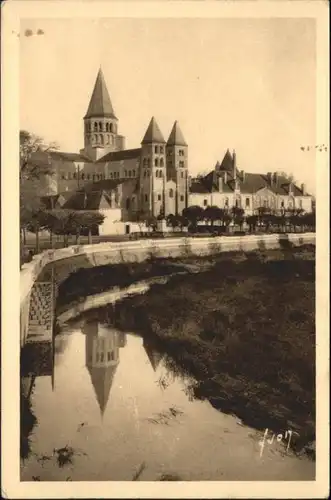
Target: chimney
column 303, row 189
column 220, row 184
column 225, row 177
column 234, row 164
column 276, row 177
column 242, row 175
column 269, row 175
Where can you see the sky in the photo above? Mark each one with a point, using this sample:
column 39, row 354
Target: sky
column 243, row 84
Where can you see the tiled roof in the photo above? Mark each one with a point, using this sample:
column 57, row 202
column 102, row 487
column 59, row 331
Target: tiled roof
column 126, row 154
column 198, row 187
column 176, row 136
column 251, row 183
column 100, row 103
column 61, row 155
column 153, row 133
column 87, row 200
column 51, row 202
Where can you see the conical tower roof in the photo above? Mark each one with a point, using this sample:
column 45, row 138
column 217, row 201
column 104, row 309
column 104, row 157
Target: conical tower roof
column 227, row 162
column 153, row 133
column 100, row 103
column 153, row 355
column 176, row 137
column 102, row 379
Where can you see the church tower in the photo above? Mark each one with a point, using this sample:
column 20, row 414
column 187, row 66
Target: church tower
column 153, row 171
column 101, row 123
column 102, row 346
column 177, row 167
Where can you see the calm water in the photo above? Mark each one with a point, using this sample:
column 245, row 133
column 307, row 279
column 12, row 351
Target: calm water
column 110, row 406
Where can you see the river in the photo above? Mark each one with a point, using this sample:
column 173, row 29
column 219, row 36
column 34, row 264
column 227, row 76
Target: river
column 109, row 408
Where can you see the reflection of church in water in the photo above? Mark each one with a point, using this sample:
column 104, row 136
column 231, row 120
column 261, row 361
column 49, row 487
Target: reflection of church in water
column 102, row 347
column 102, row 357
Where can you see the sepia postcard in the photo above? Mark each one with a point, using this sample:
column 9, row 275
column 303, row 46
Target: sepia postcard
column 165, row 249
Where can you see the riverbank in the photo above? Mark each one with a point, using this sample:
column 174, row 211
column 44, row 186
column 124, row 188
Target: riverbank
column 244, row 328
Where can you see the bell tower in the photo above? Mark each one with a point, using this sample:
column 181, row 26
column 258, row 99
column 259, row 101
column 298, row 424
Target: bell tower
column 177, row 166
column 153, row 171
column 100, row 123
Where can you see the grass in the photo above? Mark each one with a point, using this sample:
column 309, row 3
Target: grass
column 244, row 329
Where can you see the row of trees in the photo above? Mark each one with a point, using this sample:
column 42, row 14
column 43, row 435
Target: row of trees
column 61, row 222
column 264, row 217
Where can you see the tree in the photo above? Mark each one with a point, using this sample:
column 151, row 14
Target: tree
column 252, row 222
column 172, row 221
column 193, row 214
column 30, row 144
column 91, row 220
column 213, row 213
column 151, row 222
column 288, row 176
column 31, row 169
column 176, row 221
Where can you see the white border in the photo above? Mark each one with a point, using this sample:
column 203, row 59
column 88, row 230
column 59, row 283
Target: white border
column 12, row 11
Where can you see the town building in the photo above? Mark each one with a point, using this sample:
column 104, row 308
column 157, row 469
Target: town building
column 153, row 180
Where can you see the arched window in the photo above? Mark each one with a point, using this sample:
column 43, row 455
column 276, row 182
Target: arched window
column 160, row 173
column 101, row 139
column 107, row 127
column 111, row 127
column 125, row 173
column 95, row 127
column 171, row 193
column 161, row 162
column 129, row 173
column 156, row 162
column 95, row 138
column 156, row 173
column 100, row 126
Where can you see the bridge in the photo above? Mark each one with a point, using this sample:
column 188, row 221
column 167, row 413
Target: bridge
column 41, row 278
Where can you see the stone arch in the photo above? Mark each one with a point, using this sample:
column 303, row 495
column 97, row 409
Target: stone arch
column 107, row 127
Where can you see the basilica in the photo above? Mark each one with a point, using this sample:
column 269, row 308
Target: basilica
column 153, row 179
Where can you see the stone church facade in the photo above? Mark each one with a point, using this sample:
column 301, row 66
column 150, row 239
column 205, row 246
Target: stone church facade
column 153, row 180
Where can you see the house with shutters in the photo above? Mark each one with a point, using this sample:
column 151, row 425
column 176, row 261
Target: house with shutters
column 226, row 186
